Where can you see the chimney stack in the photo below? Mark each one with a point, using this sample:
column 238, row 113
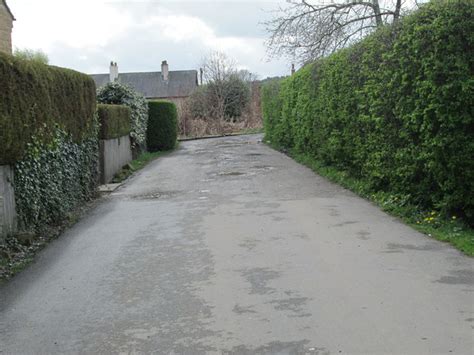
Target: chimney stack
column 292, row 69
column 113, row 72
column 164, row 70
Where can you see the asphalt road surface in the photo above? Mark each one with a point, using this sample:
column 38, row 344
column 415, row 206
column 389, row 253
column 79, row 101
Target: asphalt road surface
column 226, row 246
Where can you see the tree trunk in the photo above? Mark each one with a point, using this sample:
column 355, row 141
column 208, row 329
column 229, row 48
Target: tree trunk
column 378, row 16
column 396, row 14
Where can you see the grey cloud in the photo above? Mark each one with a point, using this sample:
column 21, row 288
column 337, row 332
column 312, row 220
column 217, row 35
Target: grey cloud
column 227, row 18
column 143, row 48
column 144, row 51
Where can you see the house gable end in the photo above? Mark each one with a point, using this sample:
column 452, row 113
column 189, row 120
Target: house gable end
column 4, row 3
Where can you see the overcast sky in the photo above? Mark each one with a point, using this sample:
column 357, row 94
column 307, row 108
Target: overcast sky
column 87, row 34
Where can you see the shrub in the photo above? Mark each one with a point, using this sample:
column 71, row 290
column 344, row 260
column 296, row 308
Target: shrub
column 235, row 94
column 226, row 99
column 114, row 121
column 198, row 103
column 34, row 98
column 396, row 109
column 162, row 129
column 34, row 55
column 120, row 94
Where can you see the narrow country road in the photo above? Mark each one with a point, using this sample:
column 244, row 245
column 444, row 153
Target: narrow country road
column 226, row 246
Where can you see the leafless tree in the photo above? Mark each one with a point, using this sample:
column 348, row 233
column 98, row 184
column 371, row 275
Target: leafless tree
column 217, row 66
column 223, row 104
column 308, row 29
column 247, row 76
column 225, row 90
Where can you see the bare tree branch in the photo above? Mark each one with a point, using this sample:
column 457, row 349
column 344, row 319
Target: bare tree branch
column 309, row 29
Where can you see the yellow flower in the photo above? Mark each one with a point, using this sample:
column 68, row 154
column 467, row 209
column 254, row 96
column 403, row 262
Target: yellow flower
column 453, row 217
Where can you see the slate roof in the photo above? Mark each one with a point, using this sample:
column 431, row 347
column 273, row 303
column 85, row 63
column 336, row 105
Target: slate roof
column 151, row 84
column 8, row 9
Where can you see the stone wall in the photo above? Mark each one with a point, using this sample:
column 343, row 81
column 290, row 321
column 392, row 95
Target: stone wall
column 114, row 154
column 6, row 25
column 7, row 202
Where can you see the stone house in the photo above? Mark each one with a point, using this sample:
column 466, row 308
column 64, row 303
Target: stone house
column 6, row 26
column 173, row 86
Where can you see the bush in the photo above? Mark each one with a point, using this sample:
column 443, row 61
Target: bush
column 35, row 98
column 120, row 94
column 162, row 129
column 225, row 99
column 198, row 103
column 29, row 54
column 396, row 109
column 114, row 121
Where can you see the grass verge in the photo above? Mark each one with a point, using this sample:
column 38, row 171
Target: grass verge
column 250, row 131
column 441, row 227
column 137, row 164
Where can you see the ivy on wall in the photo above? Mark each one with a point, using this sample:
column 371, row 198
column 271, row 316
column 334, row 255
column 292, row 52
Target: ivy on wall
column 52, row 179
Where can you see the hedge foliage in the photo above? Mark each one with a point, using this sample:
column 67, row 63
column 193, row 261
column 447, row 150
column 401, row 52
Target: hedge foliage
column 396, row 110
column 114, row 121
column 119, row 94
column 162, row 131
column 35, row 97
column 49, row 134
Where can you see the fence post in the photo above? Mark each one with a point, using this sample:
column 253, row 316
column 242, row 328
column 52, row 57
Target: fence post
column 8, row 218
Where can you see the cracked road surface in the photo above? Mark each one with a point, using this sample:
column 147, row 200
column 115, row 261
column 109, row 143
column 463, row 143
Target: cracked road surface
column 226, row 246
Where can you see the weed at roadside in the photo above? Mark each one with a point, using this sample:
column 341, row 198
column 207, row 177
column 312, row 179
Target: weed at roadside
column 138, row 164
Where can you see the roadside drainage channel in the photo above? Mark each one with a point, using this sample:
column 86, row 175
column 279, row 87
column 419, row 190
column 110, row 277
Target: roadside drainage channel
column 108, row 188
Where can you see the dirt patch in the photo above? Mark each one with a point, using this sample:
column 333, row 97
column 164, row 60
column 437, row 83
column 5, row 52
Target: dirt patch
column 424, row 247
column 458, row 277
column 230, row 173
column 156, row 195
column 241, row 309
column 259, row 279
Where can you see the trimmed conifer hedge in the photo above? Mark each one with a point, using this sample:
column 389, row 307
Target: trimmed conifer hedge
column 49, row 134
column 396, row 109
column 35, row 98
column 114, row 121
column 162, row 131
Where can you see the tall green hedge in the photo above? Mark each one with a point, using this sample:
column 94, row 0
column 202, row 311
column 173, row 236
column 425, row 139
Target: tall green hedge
column 162, row 131
column 49, row 134
column 35, row 97
column 396, row 110
column 114, row 121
